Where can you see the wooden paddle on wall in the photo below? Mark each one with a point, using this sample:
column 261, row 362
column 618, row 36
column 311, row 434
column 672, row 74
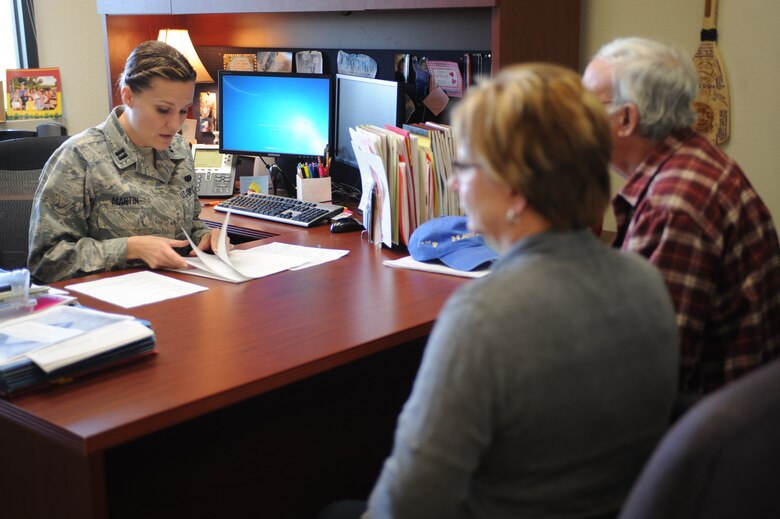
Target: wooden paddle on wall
column 712, row 102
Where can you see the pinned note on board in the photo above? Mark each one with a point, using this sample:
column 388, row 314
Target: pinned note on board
column 356, row 65
column 447, row 76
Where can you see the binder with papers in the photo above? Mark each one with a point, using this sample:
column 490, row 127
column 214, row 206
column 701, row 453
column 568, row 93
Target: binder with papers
column 61, row 343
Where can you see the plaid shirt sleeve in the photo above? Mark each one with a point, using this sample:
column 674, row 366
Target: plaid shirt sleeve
column 687, row 259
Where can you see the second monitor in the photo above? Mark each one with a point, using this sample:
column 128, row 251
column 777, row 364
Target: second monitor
column 363, row 101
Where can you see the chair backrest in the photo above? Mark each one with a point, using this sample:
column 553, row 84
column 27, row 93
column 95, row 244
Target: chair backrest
column 50, row 129
column 21, row 162
column 721, row 459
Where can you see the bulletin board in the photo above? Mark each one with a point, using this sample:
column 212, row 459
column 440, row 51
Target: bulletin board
column 394, row 65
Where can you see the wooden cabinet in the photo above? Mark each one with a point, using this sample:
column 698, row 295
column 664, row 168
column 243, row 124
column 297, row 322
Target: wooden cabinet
column 514, row 30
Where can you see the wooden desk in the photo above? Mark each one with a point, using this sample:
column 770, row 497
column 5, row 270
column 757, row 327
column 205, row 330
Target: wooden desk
column 267, row 399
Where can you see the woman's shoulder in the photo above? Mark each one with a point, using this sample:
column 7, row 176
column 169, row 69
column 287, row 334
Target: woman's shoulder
column 79, row 151
column 86, row 143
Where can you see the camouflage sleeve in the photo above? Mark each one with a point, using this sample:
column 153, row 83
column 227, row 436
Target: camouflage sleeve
column 60, row 247
column 199, row 228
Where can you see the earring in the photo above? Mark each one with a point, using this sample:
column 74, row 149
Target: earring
column 511, row 215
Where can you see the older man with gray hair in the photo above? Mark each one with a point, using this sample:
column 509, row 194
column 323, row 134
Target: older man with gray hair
column 689, row 208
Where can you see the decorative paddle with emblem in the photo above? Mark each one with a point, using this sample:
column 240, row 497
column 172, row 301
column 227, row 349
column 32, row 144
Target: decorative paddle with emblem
column 712, row 103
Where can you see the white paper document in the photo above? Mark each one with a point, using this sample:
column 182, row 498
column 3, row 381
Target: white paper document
column 136, row 289
column 373, row 174
column 409, row 263
column 313, row 255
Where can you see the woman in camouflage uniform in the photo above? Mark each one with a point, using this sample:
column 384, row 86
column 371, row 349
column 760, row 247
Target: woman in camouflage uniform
column 123, row 193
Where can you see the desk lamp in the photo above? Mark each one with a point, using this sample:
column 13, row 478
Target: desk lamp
column 180, row 40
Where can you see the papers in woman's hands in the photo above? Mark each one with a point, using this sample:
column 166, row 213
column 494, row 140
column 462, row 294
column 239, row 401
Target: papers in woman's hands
column 238, row 266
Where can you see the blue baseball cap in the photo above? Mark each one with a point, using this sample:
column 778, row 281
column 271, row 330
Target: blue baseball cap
column 448, row 240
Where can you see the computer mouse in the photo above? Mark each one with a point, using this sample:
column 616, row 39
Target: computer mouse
column 346, row 225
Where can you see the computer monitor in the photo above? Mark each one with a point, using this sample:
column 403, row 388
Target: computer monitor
column 359, row 101
column 274, row 114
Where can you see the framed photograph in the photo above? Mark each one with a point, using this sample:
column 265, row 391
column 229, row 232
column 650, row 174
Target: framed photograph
column 34, row 93
column 208, row 112
column 245, row 62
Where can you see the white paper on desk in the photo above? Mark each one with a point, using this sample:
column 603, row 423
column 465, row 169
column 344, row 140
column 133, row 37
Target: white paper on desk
column 373, row 169
column 136, row 289
column 411, row 264
column 313, row 255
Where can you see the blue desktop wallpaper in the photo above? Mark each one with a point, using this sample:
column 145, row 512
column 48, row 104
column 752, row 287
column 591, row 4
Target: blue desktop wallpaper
column 267, row 114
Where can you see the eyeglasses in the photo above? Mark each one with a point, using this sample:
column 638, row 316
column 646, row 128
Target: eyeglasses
column 459, row 167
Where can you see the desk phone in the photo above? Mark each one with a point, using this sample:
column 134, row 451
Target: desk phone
column 214, row 171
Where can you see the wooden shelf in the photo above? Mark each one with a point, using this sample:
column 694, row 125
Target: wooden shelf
column 276, row 6
column 517, row 30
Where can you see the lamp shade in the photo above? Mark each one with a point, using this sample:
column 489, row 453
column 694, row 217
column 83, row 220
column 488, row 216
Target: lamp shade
column 179, row 39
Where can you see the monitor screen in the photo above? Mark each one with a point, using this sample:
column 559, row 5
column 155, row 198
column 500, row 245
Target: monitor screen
column 274, row 114
column 359, row 101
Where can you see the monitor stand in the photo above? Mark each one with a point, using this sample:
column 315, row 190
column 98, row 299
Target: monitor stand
column 282, row 172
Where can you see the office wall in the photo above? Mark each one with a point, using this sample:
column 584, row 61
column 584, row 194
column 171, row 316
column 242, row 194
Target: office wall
column 70, row 36
column 747, row 33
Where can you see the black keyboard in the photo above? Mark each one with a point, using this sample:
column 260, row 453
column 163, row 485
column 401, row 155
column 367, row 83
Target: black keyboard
column 279, row 209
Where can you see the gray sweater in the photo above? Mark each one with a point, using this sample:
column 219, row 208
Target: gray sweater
column 543, row 388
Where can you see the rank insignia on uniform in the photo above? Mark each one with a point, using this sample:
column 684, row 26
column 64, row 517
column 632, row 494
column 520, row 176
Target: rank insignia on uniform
column 121, row 154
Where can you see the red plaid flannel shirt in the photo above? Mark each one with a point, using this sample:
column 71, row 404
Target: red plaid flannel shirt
column 691, row 211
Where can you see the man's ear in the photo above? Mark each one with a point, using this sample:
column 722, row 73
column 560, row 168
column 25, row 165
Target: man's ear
column 628, row 119
column 127, row 96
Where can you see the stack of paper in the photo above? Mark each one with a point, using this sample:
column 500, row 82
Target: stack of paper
column 405, row 173
column 66, row 341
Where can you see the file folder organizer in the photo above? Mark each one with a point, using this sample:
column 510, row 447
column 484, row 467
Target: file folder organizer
column 405, row 177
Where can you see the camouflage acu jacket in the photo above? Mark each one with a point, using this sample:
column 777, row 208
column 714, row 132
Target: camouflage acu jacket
column 96, row 191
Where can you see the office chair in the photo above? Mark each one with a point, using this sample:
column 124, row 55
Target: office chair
column 721, row 460
column 50, row 129
column 21, row 162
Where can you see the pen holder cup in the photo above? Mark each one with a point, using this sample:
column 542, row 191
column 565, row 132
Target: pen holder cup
column 313, row 189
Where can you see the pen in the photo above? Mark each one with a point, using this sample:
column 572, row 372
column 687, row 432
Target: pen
column 209, row 204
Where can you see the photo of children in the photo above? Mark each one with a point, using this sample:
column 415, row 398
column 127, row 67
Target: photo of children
column 34, row 93
column 208, row 112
